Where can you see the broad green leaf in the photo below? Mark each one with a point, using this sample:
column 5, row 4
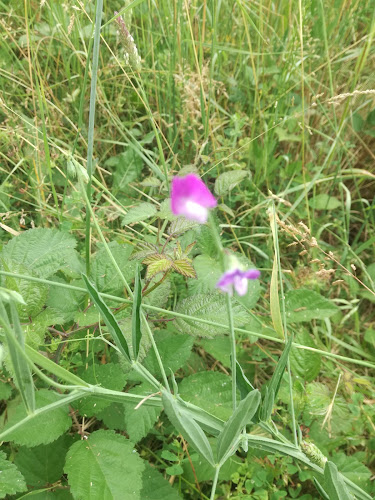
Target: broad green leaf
column 218, row 348
column 104, row 467
column 324, row 202
column 228, row 180
column 127, row 168
column 335, row 485
column 353, row 469
column 305, row 305
column 181, row 225
column 104, row 274
column 113, row 416
column 241, row 416
column 12, row 481
column 140, row 421
column 110, row 376
column 304, row 363
column 273, row 386
column 185, row 425
column 174, row 350
column 212, row 307
column 155, row 487
column 43, row 428
column 56, row 494
column 196, row 468
column 209, row 390
column 159, row 296
column 139, row 213
column 109, row 319
column 43, row 464
column 136, row 314
column 5, row 390
column 184, row 267
column 64, row 302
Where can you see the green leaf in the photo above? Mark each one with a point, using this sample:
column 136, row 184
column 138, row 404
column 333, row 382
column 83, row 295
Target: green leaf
column 181, row 225
column 157, row 263
column 5, row 390
column 212, row 307
column 187, row 426
column 241, row 416
column 324, row 202
column 174, row 470
column 353, row 469
column 44, row 251
column 228, row 180
column 155, row 487
column 12, row 481
column 104, row 467
column 43, row 428
column 139, row 213
column 141, row 420
column 335, row 485
column 184, row 267
column 305, row 305
column 109, row 319
column 243, row 384
column 159, row 296
column 136, row 314
column 273, row 386
column 43, row 464
column 110, row 376
column 174, row 350
column 304, row 363
column 104, row 274
column 64, row 302
column 209, row 390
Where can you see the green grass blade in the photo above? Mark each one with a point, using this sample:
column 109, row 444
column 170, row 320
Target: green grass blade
column 136, row 314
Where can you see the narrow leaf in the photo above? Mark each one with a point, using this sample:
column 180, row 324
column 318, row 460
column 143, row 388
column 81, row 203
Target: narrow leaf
column 187, row 426
column 232, row 429
column 243, row 384
column 320, row 489
column 274, row 301
column 273, row 387
column 136, row 314
column 336, row 488
column 109, row 319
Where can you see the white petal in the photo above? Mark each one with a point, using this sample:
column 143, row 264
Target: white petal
column 240, row 285
column 194, row 211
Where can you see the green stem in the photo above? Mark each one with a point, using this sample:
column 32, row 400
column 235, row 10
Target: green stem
column 214, row 484
column 233, row 351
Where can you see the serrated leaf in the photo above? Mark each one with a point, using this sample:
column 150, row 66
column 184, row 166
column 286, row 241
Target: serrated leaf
column 184, row 267
column 212, row 307
column 206, row 389
column 64, row 302
column 155, row 487
column 43, row 464
column 353, row 469
column 104, row 467
column 42, row 250
column 187, row 426
column 140, row 421
column 181, row 225
column 305, row 305
column 335, row 485
column 43, row 428
column 228, row 180
column 304, row 363
column 110, row 376
column 12, row 481
column 109, row 319
column 241, row 416
column 157, row 263
column 139, row 213
column 104, row 274
column 272, row 388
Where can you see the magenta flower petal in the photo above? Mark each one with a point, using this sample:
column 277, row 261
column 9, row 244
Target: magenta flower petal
column 191, row 198
column 237, row 280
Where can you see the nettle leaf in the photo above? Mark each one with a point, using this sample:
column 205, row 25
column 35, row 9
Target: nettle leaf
column 305, row 305
column 304, row 363
column 139, row 213
column 44, row 251
column 209, row 390
column 159, row 296
column 228, row 180
column 184, row 267
column 212, row 307
column 140, row 421
column 43, row 428
column 353, row 469
column 174, row 350
column 43, row 464
column 104, row 274
column 104, row 467
column 181, row 225
column 109, row 376
column 12, row 481
column 64, row 302
column 157, row 263
column 155, row 487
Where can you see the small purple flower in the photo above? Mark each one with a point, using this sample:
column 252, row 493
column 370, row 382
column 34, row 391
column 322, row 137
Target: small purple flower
column 236, row 279
column 191, row 198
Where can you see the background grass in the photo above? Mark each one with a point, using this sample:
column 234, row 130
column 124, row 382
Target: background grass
column 284, row 91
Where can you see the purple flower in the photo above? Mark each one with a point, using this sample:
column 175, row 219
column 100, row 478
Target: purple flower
column 237, row 280
column 191, row 198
